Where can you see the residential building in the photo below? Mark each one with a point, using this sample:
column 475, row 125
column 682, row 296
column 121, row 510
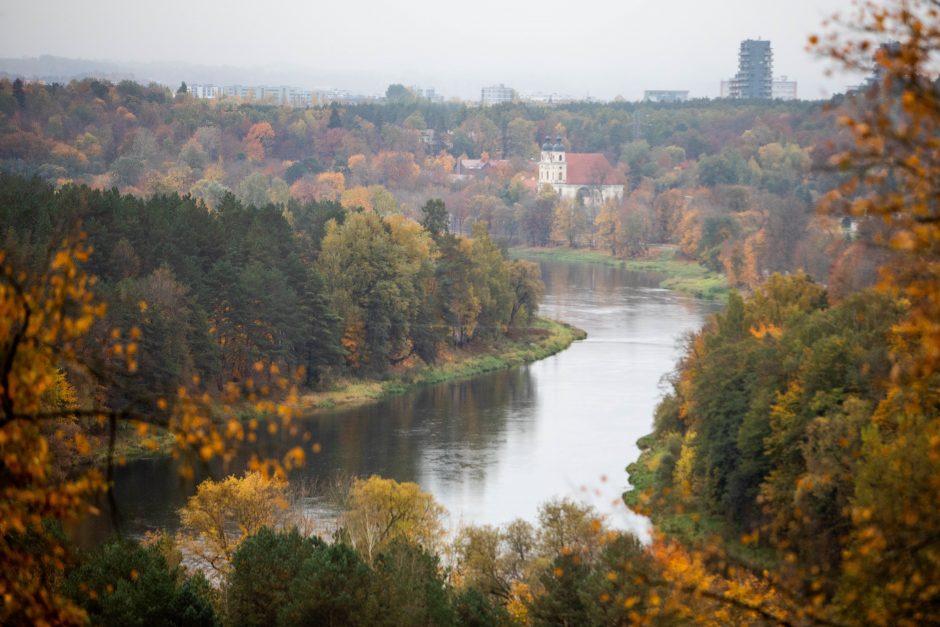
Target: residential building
column 496, row 95
column 280, row 95
column 754, row 79
column 587, row 178
column 465, row 168
column 548, row 99
column 784, row 89
column 341, row 96
column 665, row 95
column 470, row 167
column 427, row 93
column 238, row 91
column 205, row 92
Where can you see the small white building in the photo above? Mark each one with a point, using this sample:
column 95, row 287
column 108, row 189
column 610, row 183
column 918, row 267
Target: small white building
column 496, row 95
column 427, row 93
column 206, row 92
column 665, row 95
column 784, row 89
column 587, row 178
column 548, row 99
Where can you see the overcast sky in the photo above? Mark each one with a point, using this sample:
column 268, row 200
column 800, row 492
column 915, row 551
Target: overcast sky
column 600, row 48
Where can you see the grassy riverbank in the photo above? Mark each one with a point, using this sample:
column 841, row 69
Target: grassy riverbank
column 543, row 339
column 680, row 275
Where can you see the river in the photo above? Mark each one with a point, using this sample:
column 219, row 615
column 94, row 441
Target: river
column 494, row 447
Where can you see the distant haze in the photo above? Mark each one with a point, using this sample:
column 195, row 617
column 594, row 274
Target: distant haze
column 591, row 47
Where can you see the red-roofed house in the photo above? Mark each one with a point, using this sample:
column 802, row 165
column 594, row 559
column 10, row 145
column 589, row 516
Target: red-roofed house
column 479, row 167
column 586, row 177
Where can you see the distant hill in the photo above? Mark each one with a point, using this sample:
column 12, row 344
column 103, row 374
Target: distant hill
column 61, row 69
column 53, row 69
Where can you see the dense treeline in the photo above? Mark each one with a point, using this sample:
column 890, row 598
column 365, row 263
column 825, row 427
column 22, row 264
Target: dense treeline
column 312, row 285
column 777, row 425
column 766, row 389
column 388, row 564
column 729, row 184
column 85, row 127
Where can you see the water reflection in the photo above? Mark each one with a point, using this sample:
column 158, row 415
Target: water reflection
column 494, row 447
column 453, row 429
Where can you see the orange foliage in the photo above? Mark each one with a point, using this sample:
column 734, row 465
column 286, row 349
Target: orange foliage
column 325, row 186
column 67, row 156
column 43, row 320
column 692, row 591
column 893, row 557
column 358, row 196
column 398, row 168
column 689, row 233
column 304, row 188
column 440, row 168
column 896, row 155
column 255, row 140
column 45, row 325
column 358, row 167
column 330, row 186
column 353, row 341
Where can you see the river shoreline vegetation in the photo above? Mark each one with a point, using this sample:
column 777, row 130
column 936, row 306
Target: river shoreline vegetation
column 169, row 262
column 678, row 274
column 460, row 308
column 520, row 346
column 543, row 338
column 389, row 562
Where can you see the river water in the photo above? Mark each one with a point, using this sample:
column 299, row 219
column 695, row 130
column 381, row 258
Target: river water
column 494, row 447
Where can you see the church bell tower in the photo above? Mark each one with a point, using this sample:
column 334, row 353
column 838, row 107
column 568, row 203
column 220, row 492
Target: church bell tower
column 553, row 169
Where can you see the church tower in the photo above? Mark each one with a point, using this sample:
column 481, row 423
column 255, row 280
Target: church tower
column 553, row 169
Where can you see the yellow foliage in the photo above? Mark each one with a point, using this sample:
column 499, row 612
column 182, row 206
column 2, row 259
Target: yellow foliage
column 763, row 330
column 43, row 321
column 520, row 597
column 223, row 513
column 330, row 186
column 356, row 197
column 895, row 160
column 381, row 510
column 682, row 473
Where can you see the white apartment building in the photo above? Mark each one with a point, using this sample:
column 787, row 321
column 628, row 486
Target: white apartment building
column 496, row 95
column 784, row 89
column 665, row 95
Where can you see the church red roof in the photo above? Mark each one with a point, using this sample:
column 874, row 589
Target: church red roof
column 590, row 168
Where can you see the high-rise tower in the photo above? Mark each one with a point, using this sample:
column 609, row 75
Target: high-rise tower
column 755, row 71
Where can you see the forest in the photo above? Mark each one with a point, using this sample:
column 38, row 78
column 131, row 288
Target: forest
column 798, row 437
column 730, row 185
column 312, row 286
column 179, row 267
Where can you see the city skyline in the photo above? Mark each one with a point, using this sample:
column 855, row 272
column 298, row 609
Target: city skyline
column 632, row 49
column 48, row 70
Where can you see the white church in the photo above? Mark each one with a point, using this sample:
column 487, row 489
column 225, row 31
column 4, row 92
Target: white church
column 586, row 177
